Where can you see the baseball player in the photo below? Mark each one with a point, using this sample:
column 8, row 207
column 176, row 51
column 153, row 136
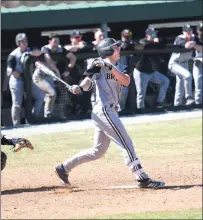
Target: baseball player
column 198, row 63
column 179, row 65
column 146, row 70
column 17, row 143
column 107, row 78
column 15, row 72
column 46, row 82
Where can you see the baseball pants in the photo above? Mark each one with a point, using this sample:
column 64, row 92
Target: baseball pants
column 141, row 82
column 16, row 86
column 46, row 84
column 183, row 81
column 197, row 75
column 108, row 127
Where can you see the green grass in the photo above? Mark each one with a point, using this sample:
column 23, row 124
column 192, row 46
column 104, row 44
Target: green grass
column 189, row 214
column 181, row 139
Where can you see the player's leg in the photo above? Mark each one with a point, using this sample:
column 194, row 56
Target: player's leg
column 163, row 83
column 39, row 95
column 16, row 86
column 101, row 144
column 141, row 83
column 183, row 74
column 179, row 91
column 115, row 130
column 197, row 75
column 46, row 85
column 188, row 84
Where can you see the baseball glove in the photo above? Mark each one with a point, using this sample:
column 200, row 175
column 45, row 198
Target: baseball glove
column 20, row 143
column 3, row 160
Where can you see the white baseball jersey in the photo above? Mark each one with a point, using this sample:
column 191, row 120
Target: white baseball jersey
column 106, row 89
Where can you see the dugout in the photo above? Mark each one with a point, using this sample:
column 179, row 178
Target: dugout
column 136, row 15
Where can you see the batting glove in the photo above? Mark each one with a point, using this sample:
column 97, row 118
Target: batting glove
column 75, row 89
column 102, row 63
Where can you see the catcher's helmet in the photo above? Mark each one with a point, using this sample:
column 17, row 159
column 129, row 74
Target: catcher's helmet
column 105, row 49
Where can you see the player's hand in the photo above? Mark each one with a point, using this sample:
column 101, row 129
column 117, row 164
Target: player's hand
column 75, row 89
column 190, row 44
column 102, row 63
column 156, row 40
column 16, row 74
column 35, row 53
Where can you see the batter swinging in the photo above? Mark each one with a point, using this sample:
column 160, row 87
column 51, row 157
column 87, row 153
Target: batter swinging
column 106, row 79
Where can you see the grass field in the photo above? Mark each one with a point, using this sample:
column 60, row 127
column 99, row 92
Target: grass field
column 170, row 150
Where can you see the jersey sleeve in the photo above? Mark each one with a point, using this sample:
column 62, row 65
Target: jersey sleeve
column 11, row 63
column 92, row 70
column 45, row 50
column 180, row 41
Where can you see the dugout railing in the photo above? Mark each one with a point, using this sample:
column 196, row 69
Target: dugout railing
column 131, row 100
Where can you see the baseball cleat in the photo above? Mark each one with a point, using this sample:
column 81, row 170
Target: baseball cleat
column 62, row 175
column 148, row 183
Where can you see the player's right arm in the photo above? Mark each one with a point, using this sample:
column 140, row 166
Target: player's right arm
column 11, row 64
column 49, row 61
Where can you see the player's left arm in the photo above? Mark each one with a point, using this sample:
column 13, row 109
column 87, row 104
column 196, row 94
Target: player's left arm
column 87, row 82
column 17, row 143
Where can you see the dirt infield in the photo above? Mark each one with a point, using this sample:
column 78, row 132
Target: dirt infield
column 40, row 195
column 31, row 190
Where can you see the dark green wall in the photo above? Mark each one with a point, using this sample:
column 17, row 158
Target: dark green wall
column 98, row 15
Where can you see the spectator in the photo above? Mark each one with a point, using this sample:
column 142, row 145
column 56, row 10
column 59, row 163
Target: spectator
column 81, row 103
column 147, row 69
column 179, row 65
column 127, row 43
column 197, row 65
column 77, row 42
column 15, row 72
column 98, row 36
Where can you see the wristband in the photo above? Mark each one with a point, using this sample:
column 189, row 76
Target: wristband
column 81, row 88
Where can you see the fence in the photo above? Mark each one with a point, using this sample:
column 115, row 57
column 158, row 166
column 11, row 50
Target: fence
column 131, row 108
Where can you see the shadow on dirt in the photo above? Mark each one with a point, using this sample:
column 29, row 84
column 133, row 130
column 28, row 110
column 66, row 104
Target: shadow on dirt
column 76, row 189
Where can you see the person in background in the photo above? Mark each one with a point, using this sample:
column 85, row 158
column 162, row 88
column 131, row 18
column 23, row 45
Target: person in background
column 80, row 103
column 179, row 65
column 198, row 63
column 98, row 37
column 15, row 72
column 61, row 69
column 147, row 69
column 126, row 43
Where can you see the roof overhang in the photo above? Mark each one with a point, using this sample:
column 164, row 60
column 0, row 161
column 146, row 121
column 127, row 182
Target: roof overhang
column 97, row 13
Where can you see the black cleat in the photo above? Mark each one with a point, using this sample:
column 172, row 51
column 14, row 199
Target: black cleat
column 62, row 174
column 148, row 183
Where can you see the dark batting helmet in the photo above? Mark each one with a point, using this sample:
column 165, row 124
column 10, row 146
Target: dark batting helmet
column 105, row 49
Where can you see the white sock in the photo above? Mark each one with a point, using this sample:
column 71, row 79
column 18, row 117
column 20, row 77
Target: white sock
column 137, row 169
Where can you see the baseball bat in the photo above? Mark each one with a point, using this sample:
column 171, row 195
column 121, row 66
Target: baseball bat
column 50, row 72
